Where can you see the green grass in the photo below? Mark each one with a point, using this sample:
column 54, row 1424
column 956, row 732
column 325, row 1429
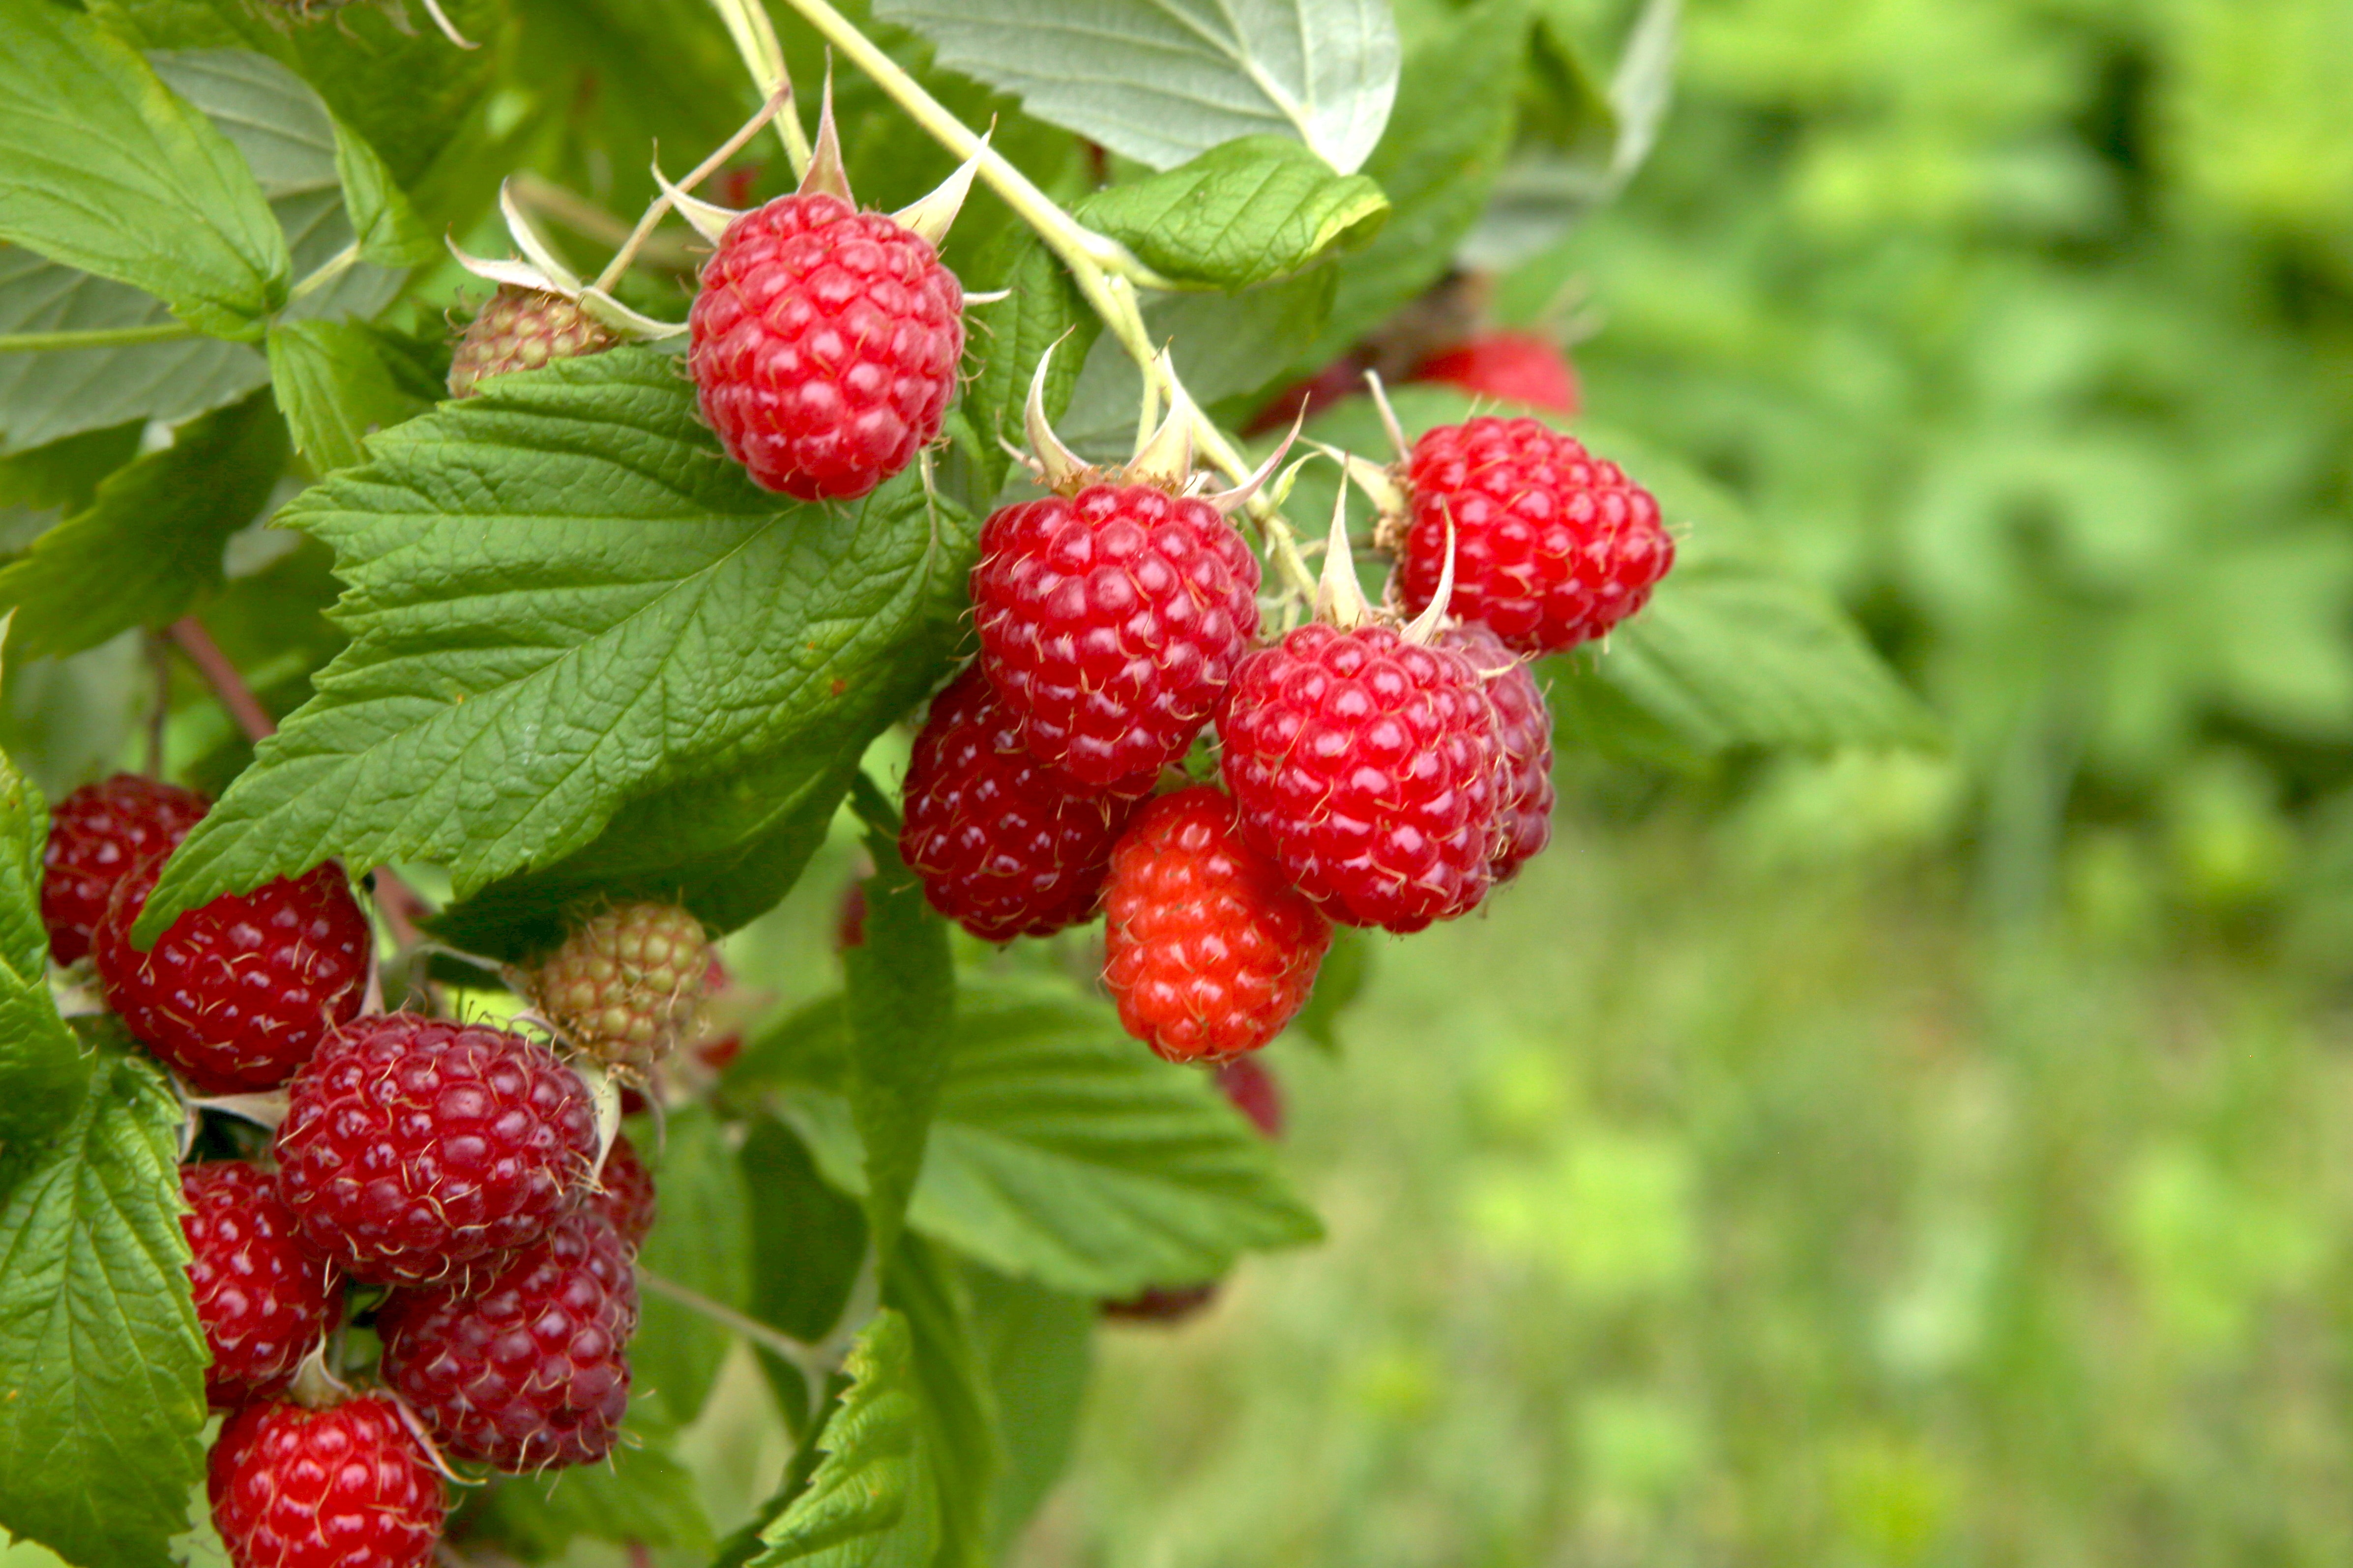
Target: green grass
column 1690, row 1209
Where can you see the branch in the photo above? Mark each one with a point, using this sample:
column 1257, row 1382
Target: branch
column 808, row 1359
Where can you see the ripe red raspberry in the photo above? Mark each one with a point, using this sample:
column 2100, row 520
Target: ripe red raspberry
column 523, row 329
column 1523, row 727
column 1552, row 545
column 825, row 344
column 1517, row 367
column 96, row 834
column 628, row 984
column 235, row 995
column 416, row 1150
column 1253, row 1092
column 1003, row 848
column 528, row 1371
column 263, row 1301
column 1368, row 767
column 1207, row 950
column 623, row 1193
column 343, row 1488
column 1110, row 622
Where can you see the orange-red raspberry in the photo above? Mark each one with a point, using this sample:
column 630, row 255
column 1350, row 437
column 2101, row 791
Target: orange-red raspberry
column 263, row 1301
column 96, row 834
column 1207, row 950
column 1553, row 546
column 1110, row 623
column 347, row 1487
column 1369, row 767
column 1005, row 849
column 824, row 345
column 236, row 994
column 528, row 1371
column 1524, row 727
column 416, row 1150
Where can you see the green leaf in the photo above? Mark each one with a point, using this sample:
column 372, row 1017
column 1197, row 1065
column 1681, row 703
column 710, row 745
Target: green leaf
column 1224, row 344
column 704, row 1245
column 291, row 143
column 1442, row 153
column 42, row 1073
column 873, row 1503
column 64, row 474
column 901, row 1003
column 807, row 1241
column 102, row 1362
column 1162, row 80
column 389, row 232
column 1241, row 213
column 104, row 169
column 1060, row 1151
column 958, row 1404
column 605, row 609
column 1042, row 311
column 640, row 1494
column 335, row 385
column 1034, row 1344
column 151, row 543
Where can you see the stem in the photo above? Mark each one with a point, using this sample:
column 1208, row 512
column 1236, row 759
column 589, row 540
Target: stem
column 756, row 40
column 402, row 906
column 583, row 216
column 94, row 338
column 222, row 676
column 159, row 659
column 327, row 271
column 777, row 99
column 1106, row 272
column 807, row 1358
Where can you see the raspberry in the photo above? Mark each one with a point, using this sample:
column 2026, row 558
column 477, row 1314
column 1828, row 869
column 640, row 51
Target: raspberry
column 96, row 834
column 263, row 1301
column 1207, row 950
column 1003, row 848
column 523, row 329
column 1110, row 622
column 623, row 1193
column 1368, row 767
column 824, row 345
column 235, row 995
column 1552, row 545
column 527, row 1372
column 626, row 986
column 416, row 1150
column 1523, row 727
column 343, row 1488
column 1253, row 1092
column 1517, row 367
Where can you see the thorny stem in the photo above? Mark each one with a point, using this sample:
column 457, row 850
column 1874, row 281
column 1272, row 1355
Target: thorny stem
column 1107, row 272
column 94, row 338
column 778, row 100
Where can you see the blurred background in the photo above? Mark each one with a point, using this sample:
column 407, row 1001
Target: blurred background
column 1879, row 1158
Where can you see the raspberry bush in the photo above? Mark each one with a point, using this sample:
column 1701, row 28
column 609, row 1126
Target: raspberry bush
column 535, row 633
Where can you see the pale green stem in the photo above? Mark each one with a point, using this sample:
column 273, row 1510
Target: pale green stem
column 94, row 338
column 334, row 267
column 1107, row 272
column 756, row 40
column 780, row 103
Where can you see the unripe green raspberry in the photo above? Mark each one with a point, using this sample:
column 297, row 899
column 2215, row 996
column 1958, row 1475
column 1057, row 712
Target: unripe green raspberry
column 523, row 329
column 627, row 986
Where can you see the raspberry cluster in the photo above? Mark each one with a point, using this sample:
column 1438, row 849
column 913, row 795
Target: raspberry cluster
column 1372, row 773
column 454, row 1163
